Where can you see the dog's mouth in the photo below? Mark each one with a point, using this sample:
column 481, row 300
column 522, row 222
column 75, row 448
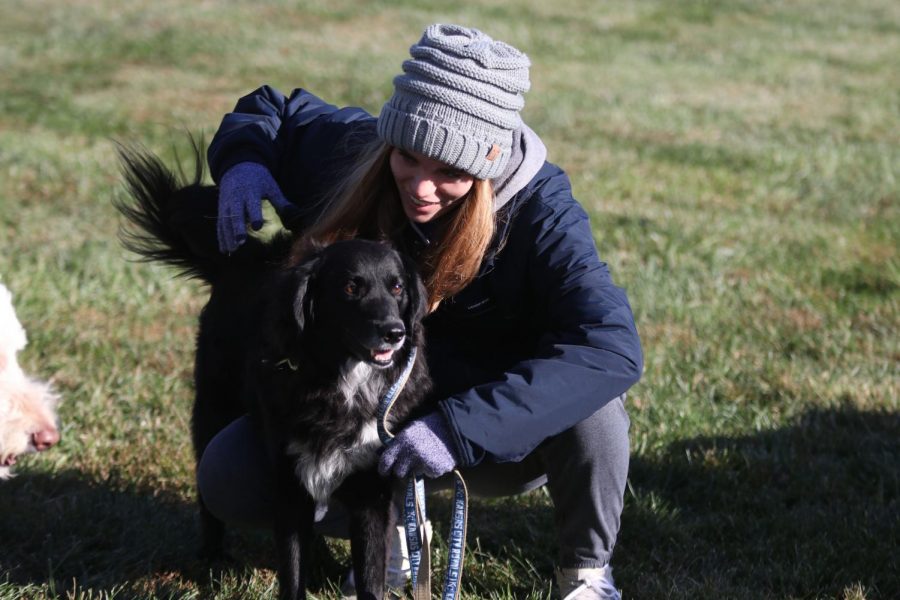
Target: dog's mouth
column 9, row 461
column 382, row 357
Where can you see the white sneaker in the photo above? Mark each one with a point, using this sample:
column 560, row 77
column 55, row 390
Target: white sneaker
column 398, row 570
column 587, row 584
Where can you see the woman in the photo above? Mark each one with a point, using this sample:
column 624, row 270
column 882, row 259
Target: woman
column 530, row 344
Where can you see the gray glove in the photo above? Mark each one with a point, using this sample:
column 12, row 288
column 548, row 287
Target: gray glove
column 423, row 447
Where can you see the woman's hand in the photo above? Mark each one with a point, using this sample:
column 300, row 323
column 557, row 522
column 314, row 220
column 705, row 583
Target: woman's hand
column 424, row 447
column 241, row 192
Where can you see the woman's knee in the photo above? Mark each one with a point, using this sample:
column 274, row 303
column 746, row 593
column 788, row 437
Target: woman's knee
column 234, row 477
column 600, row 440
column 606, row 429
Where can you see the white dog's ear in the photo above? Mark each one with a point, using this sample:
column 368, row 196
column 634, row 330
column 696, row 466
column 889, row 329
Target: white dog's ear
column 12, row 335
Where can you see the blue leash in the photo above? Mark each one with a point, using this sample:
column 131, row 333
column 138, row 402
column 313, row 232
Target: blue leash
column 414, row 510
column 457, row 542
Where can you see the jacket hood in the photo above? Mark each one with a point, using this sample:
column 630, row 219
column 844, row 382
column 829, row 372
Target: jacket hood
column 528, row 156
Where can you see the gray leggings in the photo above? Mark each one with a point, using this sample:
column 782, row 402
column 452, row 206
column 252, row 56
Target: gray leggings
column 584, row 468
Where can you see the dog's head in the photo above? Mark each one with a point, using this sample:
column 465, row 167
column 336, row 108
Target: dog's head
column 27, row 416
column 359, row 299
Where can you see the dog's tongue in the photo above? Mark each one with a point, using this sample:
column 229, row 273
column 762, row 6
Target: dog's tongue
column 9, row 460
column 382, row 356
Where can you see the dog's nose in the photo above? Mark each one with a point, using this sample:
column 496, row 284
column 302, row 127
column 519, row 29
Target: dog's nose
column 393, row 334
column 44, row 439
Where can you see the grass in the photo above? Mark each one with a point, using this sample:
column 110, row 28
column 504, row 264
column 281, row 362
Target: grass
column 740, row 161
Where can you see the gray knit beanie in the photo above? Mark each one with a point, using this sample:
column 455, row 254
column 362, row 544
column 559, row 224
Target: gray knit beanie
column 458, row 100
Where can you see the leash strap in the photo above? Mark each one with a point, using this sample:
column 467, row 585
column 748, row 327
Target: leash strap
column 414, row 517
column 421, row 574
column 390, row 396
column 414, row 502
column 414, row 513
column 457, row 542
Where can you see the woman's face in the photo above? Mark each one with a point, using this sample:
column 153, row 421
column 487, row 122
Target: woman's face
column 428, row 188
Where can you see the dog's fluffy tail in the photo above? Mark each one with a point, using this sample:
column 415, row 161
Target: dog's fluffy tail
column 169, row 219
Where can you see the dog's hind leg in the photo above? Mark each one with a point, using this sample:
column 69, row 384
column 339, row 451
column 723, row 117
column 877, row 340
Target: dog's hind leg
column 206, row 424
column 212, row 530
column 215, row 407
column 369, row 499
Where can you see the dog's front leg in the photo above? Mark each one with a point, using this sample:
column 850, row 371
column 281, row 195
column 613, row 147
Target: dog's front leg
column 371, row 522
column 294, row 514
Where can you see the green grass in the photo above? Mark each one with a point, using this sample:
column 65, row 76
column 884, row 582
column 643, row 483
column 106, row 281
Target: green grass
column 740, row 161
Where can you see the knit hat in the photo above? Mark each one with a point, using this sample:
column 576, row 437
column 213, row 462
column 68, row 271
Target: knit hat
column 458, row 100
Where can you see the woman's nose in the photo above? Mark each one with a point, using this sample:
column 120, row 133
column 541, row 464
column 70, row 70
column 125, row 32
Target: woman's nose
column 423, row 187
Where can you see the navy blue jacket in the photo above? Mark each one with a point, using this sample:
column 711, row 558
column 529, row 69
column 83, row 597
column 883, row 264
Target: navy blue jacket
column 538, row 342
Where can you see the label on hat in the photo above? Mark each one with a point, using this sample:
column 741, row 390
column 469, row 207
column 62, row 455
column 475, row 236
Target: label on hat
column 494, row 152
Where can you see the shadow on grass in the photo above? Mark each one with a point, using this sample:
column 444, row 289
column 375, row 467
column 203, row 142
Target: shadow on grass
column 60, row 528
column 806, row 511
column 510, row 545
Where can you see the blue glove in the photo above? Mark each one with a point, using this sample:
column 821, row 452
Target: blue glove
column 424, row 447
column 241, row 191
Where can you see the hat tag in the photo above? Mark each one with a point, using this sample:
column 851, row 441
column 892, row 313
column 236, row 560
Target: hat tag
column 494, row 152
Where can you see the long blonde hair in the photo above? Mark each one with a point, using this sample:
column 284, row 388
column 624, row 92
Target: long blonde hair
column 367, row 205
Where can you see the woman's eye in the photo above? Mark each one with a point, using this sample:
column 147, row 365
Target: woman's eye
column 351, row 288
column 397, row 289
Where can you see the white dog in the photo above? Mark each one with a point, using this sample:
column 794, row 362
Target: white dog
column 27, row 406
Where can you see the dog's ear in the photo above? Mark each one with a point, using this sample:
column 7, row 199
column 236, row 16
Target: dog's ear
column 12, row 335
column 303, row 248
column 286, row 305
column 302, row 278
column 415, row 289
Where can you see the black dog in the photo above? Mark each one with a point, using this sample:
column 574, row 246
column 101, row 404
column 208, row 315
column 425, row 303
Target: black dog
column 307, row 349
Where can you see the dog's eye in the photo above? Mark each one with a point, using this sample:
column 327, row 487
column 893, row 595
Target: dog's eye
column 351, row 289
column 397, row 289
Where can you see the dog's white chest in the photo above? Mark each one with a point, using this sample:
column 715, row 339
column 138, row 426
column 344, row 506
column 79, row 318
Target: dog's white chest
column 322, row 474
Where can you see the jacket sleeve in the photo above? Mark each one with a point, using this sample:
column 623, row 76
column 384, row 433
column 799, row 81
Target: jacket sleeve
column 293, row 136
column 588, row 351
